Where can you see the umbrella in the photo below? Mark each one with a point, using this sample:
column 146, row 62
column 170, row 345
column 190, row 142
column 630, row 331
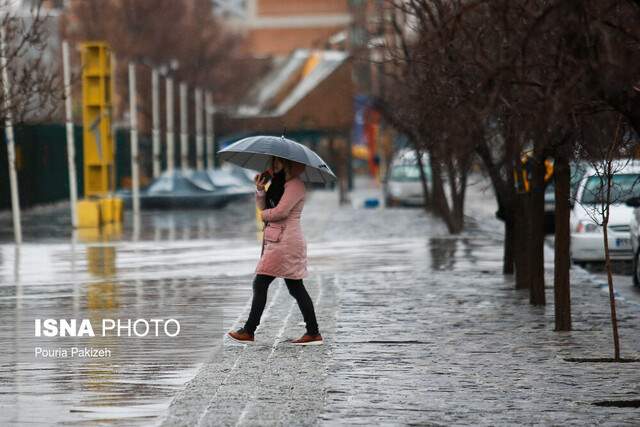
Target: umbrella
column 255, row 153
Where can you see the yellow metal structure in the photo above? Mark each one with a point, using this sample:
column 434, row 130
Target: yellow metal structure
column 96, row 118
column 110, row 210
column 88, row 213
column 98, row 207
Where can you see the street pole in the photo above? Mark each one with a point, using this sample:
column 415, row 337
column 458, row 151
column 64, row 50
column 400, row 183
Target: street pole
column 11, row 153
column 199, row 142
column 133, row 113
column 71, row 150
column 155, row 133
column 184, row 136
column 358, row 40
column 114, row 133
column 211, row 149
column 169, row 97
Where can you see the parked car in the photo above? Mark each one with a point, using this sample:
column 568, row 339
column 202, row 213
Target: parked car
column 578, row 170
column 634, row 233
column 586, row 236
column 403, row 185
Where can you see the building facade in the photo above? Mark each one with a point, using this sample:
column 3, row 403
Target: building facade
column 277, row 27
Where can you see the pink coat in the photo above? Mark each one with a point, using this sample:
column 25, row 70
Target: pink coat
column 287, row 257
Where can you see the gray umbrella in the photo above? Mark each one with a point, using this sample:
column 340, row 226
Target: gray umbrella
column 255, row 153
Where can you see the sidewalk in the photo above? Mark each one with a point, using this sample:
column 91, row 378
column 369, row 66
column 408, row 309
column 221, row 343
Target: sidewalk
column 420, row 328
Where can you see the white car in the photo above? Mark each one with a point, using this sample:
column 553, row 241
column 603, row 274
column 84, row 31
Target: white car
column 403, row 184
column 634, row 233
column 586, row 235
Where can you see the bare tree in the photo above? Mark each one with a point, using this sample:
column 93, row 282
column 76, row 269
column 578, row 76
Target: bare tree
column 184, row 38
column 507, row 77
column 421, row 98
column 608, row 156
column 581, row 57
column 35, row 83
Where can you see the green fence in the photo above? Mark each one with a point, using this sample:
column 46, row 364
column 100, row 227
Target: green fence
column 41, row 161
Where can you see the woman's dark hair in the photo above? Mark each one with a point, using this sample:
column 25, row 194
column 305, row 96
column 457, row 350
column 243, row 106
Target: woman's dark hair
column 276, row 188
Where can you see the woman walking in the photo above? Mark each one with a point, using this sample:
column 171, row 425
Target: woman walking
column 284, row 250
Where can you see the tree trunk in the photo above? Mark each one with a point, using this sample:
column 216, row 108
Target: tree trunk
column 607, row 264
column 508, row 260
column 504, row 191
column 522, row 228
column 536, row 214
column 423, row 179
column 343, row 179
column 438, row 197
column 452, row 214
column 458, row 211
column 561, row 279
column 458, row 184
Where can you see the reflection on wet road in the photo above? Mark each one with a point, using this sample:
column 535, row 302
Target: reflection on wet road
column 190, row 266
column 52, row 224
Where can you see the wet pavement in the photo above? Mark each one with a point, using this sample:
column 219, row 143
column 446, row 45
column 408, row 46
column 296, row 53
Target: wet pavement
column 622, row 277
column 189, row 265
column 622, row 280
column 420, row 327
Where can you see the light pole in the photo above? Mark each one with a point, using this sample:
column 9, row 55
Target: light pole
column 211, row 146
column 71, row 149
column 155, row 132
column 170, row 142
column 199, row 144
column 184, row 135
column 133, row 113
column 11, row 153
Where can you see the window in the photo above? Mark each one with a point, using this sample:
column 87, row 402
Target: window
column 408, row 173
column 623, row 187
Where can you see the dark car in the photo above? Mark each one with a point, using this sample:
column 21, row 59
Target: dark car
column 577, row 172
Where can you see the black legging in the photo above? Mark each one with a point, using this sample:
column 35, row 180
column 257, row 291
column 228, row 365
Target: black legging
column 296, row 289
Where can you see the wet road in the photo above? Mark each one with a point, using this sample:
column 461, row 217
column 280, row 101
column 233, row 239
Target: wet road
column 52, row 224
column 483, row 214
column 188, row 266
column 622, row 283
column 195, row 266
column 420, row 327
column 622, row 280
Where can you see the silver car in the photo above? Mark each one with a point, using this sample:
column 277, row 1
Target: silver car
column 403, row 186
